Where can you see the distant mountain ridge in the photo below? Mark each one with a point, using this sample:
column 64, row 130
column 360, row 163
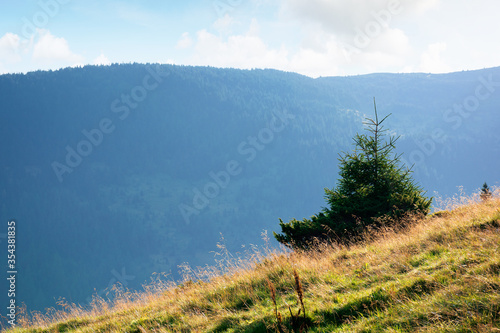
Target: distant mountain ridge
column 114, row 172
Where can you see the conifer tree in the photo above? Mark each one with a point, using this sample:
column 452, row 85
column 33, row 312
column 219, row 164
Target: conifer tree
column 485, row 192
column 372, row 184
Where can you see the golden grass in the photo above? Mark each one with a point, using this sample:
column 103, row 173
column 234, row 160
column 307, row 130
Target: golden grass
column 439, row 274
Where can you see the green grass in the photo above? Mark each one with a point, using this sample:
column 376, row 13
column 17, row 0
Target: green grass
column 442, row 274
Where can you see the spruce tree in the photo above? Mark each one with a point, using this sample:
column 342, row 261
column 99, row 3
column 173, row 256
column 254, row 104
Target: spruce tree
column 485, row 192
column 372, row 185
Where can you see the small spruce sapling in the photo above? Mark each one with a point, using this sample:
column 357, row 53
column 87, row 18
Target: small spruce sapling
column 485, row 192
column 372, row 185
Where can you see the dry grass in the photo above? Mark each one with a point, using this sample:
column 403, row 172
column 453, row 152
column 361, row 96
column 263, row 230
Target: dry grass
column 440, row 274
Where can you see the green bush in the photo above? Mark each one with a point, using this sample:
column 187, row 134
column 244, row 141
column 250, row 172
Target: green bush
column 372, row 185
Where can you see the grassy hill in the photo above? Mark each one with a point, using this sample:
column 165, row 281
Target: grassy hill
column 441, row 274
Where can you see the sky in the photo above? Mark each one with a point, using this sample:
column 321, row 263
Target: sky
column 311, row 37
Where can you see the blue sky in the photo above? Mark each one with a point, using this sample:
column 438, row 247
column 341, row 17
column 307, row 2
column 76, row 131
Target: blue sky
column 311, row 37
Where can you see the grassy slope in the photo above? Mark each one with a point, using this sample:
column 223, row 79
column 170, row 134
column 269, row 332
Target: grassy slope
column 440, row 275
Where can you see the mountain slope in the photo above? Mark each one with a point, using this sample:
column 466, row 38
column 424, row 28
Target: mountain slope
column 116, row 172
column 440, row 274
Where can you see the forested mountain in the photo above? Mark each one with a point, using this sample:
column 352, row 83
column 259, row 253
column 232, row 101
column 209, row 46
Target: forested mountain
column 113, row 173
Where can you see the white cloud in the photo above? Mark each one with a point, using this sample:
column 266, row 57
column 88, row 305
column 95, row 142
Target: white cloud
column 313, row 63
column 10, row 45
column 241, row 51
column 102, row 60
column 224, row 24
column 392, row 41
column 431, row 60
column 249, row 50
column 42, row 51
column 319, row 53
column 421, row 6
column 341, row 17
column 168, row 61
column 344, row 17
column 367, row 33
column 254, row 29
column 375, row 34
column 49, row 48
column 185, row 41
